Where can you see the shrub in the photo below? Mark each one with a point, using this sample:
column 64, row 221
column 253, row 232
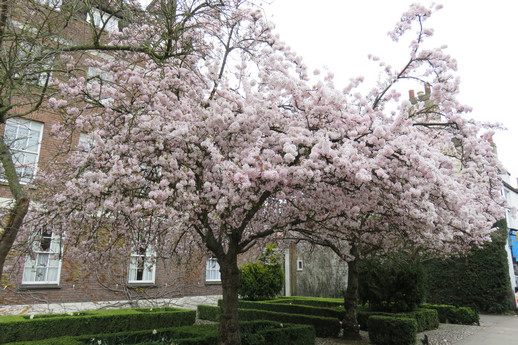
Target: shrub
column 102, row 321
column 263, row 279
column 479, row 280
column 394, row 285
column 387, row 330
column 324, row 326
column 209, row 312
column 253, row 333
column 452, row 314
column 427, row 319
column 312, row 301
column 293, row 309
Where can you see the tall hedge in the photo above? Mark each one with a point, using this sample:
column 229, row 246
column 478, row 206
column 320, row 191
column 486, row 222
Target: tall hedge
column 479, row 280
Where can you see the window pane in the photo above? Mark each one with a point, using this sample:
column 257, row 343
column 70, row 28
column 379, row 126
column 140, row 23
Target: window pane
column 23, row 137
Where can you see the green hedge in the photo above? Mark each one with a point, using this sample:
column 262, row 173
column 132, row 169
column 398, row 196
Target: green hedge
column 457, row 315
column 479, row 280
column 324, row 326
column 253, row 333
column 386, row 330
column 311, row 301
column 20, row 328
column 426, row 319
column 293, row 308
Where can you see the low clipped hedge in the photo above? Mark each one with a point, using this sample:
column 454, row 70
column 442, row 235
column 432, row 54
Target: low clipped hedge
column 392, row 330
column 22, row 328
column 253, row 333
column 426, row 319
column 311, row 301
column 456, row 315
column 324, row 326
column 293, row 308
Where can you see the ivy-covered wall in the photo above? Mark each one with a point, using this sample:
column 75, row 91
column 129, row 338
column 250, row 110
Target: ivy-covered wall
column 479, row 280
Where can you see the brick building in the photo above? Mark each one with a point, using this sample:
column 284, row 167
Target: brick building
column 47, row 276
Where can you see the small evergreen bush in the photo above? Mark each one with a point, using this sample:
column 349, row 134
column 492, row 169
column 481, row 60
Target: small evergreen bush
column 388, row 330
column 262, row 280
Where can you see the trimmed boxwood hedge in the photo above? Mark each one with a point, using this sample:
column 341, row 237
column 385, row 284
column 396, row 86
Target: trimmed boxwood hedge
column 457, row 315
column 324, row 326
column 387, row 330
column 311, row 301
column 20, row 328
column 427, row 319
column 293, row 308
column 253, row 333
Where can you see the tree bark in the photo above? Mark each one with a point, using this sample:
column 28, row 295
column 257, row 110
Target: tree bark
column 10, row 230
column 229, row 324
column 350, row 322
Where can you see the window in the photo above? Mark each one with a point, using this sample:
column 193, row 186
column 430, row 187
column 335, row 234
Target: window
column 142, row 265
column 85, row 141
column 97, row 79
column 55, row 4
column 212, row 273
column 100, row 18
column 33, row 64
column 24, row 139
column 300, row 265
column 45, row 266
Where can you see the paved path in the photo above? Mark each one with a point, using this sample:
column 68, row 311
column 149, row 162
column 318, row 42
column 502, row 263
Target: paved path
column 494, row 330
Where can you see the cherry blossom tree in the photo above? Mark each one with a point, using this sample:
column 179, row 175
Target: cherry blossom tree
column 427, row 180
column 231, row 144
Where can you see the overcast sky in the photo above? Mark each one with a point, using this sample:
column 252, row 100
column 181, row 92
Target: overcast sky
column 481, row 35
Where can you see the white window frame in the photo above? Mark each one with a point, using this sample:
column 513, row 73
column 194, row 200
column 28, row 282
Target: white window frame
column 55, row 4
column 25, row 143
column 96, row 73
column 212, row 270
column 35, row 64
column 142, row 266
column 36, row 271
column 300, row 265
column 99, row 18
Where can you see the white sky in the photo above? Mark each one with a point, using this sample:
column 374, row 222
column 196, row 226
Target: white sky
column 481, row 36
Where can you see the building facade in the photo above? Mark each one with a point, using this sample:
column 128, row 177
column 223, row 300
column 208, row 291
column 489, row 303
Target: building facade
column 46, row 275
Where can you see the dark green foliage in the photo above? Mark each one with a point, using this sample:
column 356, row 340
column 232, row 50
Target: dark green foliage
column 426, row 319
column 209, row 312
column 262, row 280
column 312, row 301
column 386, row 330
column 324, row 326
column 95, row 322
column 480, row 280
column 293, row 309
column 452, row 314
column 391, row 285
column 253, row 333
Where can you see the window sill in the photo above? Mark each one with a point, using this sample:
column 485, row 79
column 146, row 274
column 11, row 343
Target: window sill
column 39, row 287
column 213, row 282
column 140, row 284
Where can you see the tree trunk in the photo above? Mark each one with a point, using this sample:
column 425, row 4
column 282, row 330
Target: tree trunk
column 229, row 324
column 350, row 322
column 10, row 230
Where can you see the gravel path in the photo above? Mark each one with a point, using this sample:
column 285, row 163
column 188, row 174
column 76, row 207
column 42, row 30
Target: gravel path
column 446, row 334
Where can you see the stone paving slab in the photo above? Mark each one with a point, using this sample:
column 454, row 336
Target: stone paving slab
column 187, row 302
column 494, row 330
